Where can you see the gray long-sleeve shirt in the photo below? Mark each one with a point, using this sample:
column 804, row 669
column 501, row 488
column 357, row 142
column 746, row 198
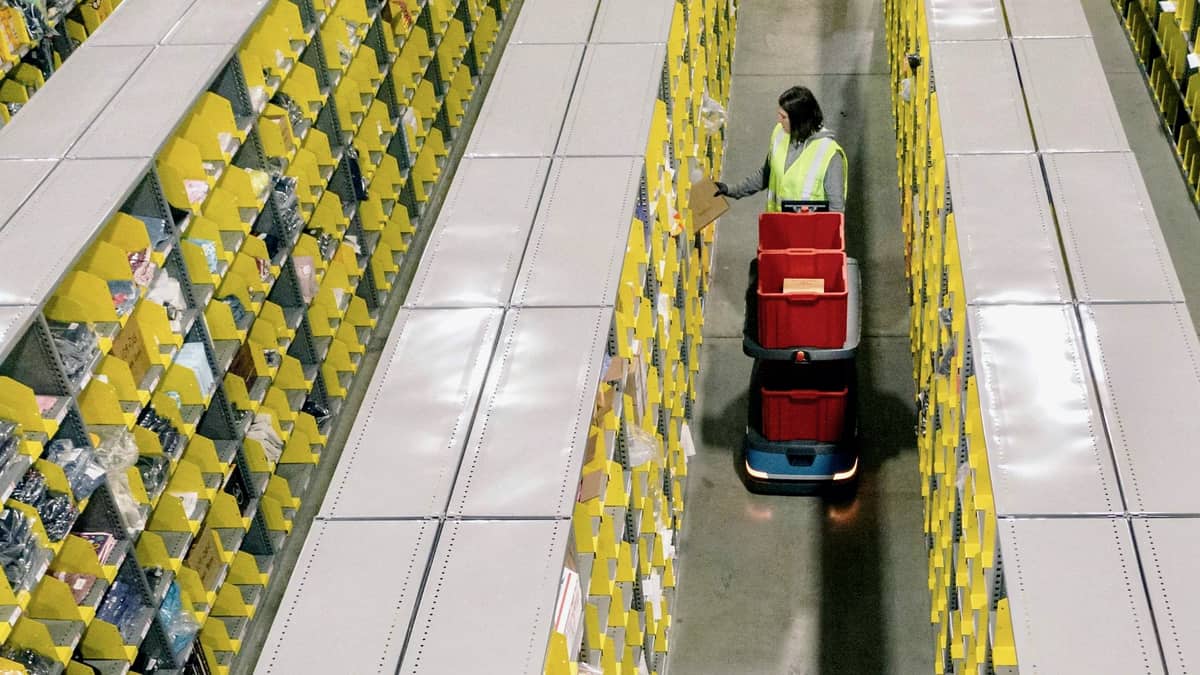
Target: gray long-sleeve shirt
column 835, row 181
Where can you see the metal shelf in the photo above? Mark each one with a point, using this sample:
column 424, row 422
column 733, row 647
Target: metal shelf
column 1149, row 395
column 1008, row 247
column 1110, row 234
column 978, row 80
column 475, row 251
column 142, row 115
column 578, row 243
column 526, row 104
column 554, row 22
column 1040, row 19
column 1063, row 79
column 350, row 602
column 1045, row 436
column 20, row 180
column 488, row 602
column 1077, row 599
column 633, row 22
column 216, row 22
column 43, row 239
column 962, row 20
column 142, row 22
column 1169, row 548
column 62, row 110
column 408, row 439
column 527, row 442
column 600, row 124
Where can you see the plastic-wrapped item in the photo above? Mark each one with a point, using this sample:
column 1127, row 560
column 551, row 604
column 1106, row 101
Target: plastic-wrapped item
column 306, row 274
column 83, row 472
column 77, row 347
column 153, row 469
column 121, row 607
column 34, row 662
column 263, row 431
column 117, row 453
column 31, row 489
column 142, row 267
column 58, row 515
column 194, row 357
column 168, row 436
column 19, row 551
column 124, row 295
column 167, row 292
column 9, row 442
column 319, row 413
column 642, row 446
column 156, row 229
column 180, row 624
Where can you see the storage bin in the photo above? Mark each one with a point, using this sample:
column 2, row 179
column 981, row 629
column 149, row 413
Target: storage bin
column 812, row 320
column 821, row 231
column 804, row 402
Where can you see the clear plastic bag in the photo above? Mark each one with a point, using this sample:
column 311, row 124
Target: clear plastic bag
column 641, row 446
column 712, row 113
column 117, row 453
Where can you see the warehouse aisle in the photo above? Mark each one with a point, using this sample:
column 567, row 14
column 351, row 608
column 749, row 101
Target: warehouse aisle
column 792, row 585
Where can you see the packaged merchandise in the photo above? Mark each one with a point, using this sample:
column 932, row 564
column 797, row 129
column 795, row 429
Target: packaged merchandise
column 153, row 470
column 10, row 442
column 56, row 510
column 102, row 542
column 181, row 626
column 121, row 607
column 80, row 584
column 79, row 464
column 320, row 413
column 20, row 554
column 77, row 347
column 117, row 453
column 169, row 438
column 156, row 229
column 34, row 662
column 264, row 432
column 194, row 357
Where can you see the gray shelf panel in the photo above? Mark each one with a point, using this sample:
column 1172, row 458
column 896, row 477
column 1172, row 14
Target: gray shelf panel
column 407, row 442
column 1109, row 230
column 351, row 599
column 62, row 110
column 1041, row 419
column 599, row 122
column 475, row 251
column 1077, row 599
column 20, row 179
column 526, row 449
column 525, row 106
column 1070, row 104
column 142, row 115
column 554, row 22
column 633, row 21
column 45, row 237
column 961, row 20
column 581, row 233
column 141, row 22
column 216, row 22
column 978, row 80
column 489, row 602
column 1169, row 549
column 1041, row 19
column 1145, row 360
column 1009, row 248
column 14, row 321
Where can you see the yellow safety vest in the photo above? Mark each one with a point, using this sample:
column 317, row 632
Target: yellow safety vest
column 804, row 180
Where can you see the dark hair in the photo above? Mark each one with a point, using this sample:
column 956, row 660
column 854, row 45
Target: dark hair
column 803, row 111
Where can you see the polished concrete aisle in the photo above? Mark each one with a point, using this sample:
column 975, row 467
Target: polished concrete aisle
column 793, row 585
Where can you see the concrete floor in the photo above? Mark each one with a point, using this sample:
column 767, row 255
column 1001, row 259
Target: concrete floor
column 795, row 585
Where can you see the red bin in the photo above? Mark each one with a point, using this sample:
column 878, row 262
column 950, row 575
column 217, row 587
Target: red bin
column 804, row 402
column 814, row 320
column 822, row 231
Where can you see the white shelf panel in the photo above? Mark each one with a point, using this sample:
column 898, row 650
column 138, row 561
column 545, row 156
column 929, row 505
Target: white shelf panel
column 1144, row 357
column 14, row 321
column 1009, row 248
column 351, row 599
column 20, row 179
column 489, row 600
column 141, row 22
column 216, row 22
column 524, row 110
column 601, row 124
column 963, row 20
column 577, row 247
column 1109, row 230
column 1041, row 19
column 71, row 100
column 45, row 237
column 1169, row 549
column 978, row 80
column 141, row 117
column 408, row 439
column 633, row 21
column 475, row 251
column 527, row 442
column 1041, row 419
column 1070, row 104
column 554, row 22
column 1077, row 599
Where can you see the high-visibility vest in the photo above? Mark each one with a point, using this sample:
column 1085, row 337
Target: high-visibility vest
column 804, row 180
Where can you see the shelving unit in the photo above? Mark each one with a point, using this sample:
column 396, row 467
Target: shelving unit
column 1052, row 349
column 248, row 175
column 569, row 272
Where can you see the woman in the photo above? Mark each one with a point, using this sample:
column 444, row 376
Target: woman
column 805, row 163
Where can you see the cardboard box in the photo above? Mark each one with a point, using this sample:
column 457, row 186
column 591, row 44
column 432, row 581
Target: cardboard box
column 706, row 205
column 805, row 286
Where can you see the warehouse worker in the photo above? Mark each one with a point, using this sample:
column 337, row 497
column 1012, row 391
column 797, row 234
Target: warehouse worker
column 805, row 163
